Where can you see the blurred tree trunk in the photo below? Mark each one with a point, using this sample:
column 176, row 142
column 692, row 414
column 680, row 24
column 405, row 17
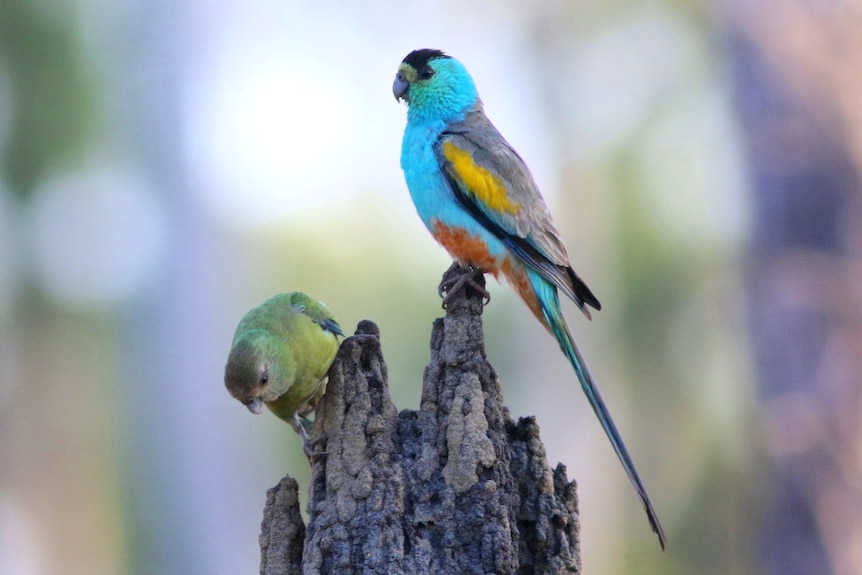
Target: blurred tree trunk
column 455, row 487
column 797, row 71
column 184, row 473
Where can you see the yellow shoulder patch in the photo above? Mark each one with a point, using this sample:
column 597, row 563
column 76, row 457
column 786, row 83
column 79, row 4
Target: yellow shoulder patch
column 479, row 182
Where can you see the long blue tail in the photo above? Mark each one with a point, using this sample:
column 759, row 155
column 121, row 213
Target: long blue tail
column 546, row 293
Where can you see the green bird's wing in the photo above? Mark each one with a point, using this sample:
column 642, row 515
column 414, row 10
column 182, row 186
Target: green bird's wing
column 316, row 311
column 491, row 181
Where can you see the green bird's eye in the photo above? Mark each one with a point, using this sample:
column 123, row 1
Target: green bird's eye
column 263, row 377
column 425, row 72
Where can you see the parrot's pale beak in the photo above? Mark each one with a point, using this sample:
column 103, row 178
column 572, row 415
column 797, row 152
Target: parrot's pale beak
column 400, row 87
column 255, row 405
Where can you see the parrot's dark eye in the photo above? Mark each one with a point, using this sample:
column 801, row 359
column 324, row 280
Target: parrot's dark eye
column 264, row 377
column 425, row 72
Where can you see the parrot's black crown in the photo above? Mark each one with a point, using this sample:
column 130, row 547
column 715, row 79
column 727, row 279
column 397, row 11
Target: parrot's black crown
column 419, row 58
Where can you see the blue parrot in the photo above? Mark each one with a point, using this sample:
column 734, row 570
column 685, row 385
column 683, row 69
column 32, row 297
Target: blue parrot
column 478, row 199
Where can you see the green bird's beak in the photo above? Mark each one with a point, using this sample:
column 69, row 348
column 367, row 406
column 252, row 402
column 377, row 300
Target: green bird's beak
column 255, row 405
column 400, row 87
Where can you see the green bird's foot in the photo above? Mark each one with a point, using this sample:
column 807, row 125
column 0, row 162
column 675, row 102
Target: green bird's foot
column 301, row 425
column 310, row 452
column 467, row 276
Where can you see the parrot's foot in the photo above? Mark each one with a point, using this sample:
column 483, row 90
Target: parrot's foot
column 449, row 287
column 301, row 425
column 310, row 452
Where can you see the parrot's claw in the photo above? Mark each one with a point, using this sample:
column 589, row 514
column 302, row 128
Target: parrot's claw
column 301, row 426
column 449, row 287
column 308, row 445
column 312, row 455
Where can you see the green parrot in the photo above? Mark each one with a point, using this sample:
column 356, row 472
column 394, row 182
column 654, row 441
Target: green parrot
column 280, row 357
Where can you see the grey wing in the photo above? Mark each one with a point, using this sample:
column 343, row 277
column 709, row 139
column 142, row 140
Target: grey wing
column 529, row 231
column 478, row 136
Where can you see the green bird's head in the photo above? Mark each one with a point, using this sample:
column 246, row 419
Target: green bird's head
column 253, row 374
column 435, row 86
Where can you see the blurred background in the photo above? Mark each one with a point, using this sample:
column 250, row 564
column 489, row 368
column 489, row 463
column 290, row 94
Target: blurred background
column 167, row 165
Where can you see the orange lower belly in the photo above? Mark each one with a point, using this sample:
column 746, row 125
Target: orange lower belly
column 468, row 249
column 472, row 250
